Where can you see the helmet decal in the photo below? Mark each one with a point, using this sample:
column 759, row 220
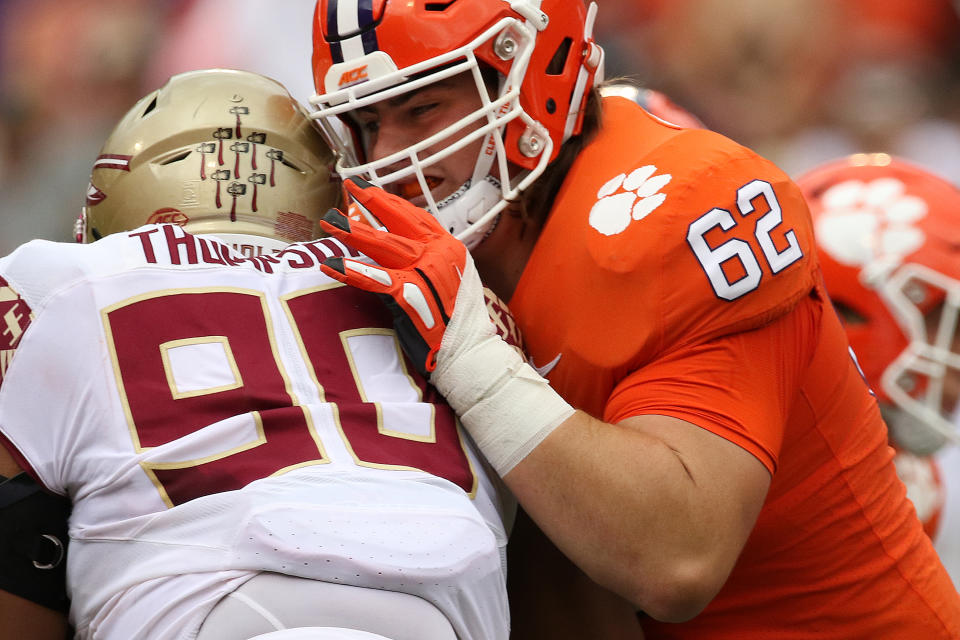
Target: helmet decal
column 112, row 161
column 349, row 23
column 866, row 221
column 94, row 195
column 168, row 216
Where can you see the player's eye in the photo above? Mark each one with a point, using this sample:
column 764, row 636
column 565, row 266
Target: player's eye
column 370, row 126
column 365, row 120
column 422, row 109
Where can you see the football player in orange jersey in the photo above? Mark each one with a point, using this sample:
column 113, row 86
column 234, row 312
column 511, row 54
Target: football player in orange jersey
column 691, row 430
column 888, row 234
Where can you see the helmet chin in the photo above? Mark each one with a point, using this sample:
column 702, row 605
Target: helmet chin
column 471, row 212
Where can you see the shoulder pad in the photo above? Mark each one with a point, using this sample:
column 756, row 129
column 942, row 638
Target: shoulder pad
column 700, row 235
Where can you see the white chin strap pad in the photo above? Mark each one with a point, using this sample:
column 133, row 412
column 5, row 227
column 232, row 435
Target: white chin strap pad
column 460, row 211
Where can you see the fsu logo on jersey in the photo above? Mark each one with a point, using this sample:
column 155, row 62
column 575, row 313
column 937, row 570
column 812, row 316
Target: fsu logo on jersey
column 502, row 318
column 15, row 316
column 168, row 215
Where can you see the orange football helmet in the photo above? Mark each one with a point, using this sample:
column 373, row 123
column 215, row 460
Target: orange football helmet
column 888, row 235
column 215, row 151
column 365, row 51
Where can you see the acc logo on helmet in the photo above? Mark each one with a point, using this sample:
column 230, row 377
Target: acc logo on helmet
column 168, row 215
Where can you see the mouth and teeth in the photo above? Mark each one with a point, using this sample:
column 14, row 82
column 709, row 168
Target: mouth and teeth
column 411, row 189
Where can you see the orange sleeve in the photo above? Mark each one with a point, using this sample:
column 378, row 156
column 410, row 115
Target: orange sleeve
column 738, row 386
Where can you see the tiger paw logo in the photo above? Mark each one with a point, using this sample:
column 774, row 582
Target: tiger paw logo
column 626, row 198
column 867, row 222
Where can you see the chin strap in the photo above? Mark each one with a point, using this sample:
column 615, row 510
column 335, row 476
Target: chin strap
column 464, row 213
column 461, row 211
column 592, row 67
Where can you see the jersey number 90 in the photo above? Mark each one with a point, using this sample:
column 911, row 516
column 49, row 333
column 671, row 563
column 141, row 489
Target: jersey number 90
column 235, row 325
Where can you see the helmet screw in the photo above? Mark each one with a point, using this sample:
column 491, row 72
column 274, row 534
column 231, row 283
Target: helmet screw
column 531, row 145
column 506, row 46
column 915, row 293
column 907, row 382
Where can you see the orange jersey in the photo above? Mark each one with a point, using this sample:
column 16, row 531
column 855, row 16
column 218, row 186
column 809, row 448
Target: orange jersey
column 676, row 275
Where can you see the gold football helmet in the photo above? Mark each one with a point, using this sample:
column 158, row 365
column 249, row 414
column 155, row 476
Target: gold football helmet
column 215, row 151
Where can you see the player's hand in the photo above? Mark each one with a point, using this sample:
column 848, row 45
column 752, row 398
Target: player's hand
column 431, row 284
column 419, row 269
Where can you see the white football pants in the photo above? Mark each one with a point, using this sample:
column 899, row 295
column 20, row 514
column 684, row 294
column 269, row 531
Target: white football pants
column 272, row 602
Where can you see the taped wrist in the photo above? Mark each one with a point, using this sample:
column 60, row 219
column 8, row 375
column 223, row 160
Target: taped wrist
column 505, row 405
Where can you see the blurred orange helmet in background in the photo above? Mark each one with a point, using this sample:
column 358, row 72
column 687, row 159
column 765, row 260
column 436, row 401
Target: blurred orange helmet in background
column 888, row 234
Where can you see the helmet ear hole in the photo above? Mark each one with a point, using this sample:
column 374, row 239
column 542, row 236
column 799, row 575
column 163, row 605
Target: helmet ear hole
column 179, row 157
column 150, row 107
column 559, row 59
column 848, row 314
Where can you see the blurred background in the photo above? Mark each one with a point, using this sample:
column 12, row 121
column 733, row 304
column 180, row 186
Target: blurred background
column 800, row 81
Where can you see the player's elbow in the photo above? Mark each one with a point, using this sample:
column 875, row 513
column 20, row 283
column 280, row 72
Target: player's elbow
column 680, row 592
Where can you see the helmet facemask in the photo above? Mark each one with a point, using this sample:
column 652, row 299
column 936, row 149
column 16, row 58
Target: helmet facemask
column 470, row 211
column 926, row 303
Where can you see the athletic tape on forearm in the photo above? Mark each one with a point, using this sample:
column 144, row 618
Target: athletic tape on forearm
column 506, row 406
column 515, row 414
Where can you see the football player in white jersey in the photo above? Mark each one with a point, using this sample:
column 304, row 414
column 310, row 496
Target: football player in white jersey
column 242, row 441
column 888, row 233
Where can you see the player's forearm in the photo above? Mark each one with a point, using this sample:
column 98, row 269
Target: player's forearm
column 625, row 508
column 619, row 502
column 8, row 465
column 25, row 619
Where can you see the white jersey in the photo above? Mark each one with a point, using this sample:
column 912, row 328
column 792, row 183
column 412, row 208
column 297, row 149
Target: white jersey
column 212, row 415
